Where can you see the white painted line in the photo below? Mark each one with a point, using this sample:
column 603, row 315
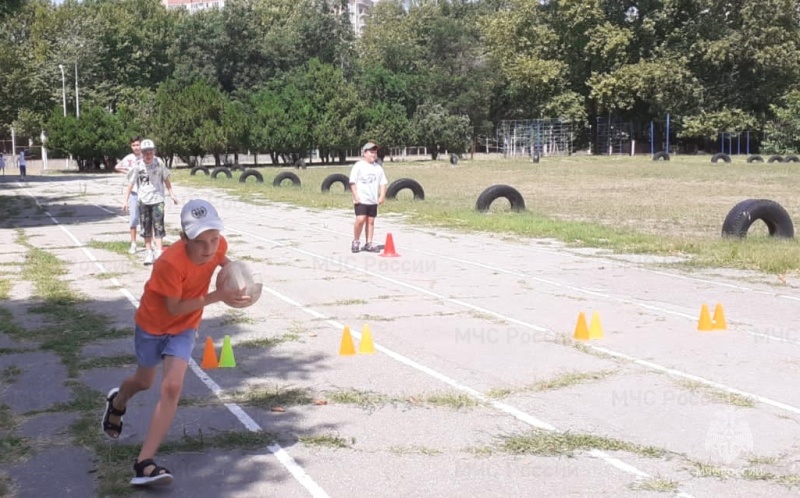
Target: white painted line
column 638, row 361
column 281, row 455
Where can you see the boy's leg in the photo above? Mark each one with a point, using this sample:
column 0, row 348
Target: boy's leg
column 158, row 226
column 164, row 413
column 370, row 229
column 133, row 210
column 358, row 226
column 141, row 380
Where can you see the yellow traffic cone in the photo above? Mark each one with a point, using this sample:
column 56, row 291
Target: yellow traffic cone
column 595, row 329
column 719, row 318
column 705, row 324
column 347, row 347
column 366, row 346
column 581, row 330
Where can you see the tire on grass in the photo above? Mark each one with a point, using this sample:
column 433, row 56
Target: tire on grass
column 286, row 175
column 495, row 192
column 744, row 214
column 405, row 183
column 199, row 168
column 251, row 172
column 722, row 156
column 453, row 159
column 329, row 180
column 775, row 159
column 658, row 156
column 225, row 171
column 791, row 159
column 755, row 159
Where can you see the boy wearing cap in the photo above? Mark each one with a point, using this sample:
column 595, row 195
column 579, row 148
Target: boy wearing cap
column 127, row 166
column 165, row 329
column 368, row 185
column 150, row 176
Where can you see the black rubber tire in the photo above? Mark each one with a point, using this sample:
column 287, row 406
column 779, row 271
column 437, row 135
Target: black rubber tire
column 721, row 155
column 453, row 159
column 495, row 192
column 535, row 158
column 661, row 155
column 300, row 164
column 405, row 183
column 775, row 159
column 199, row 168
column 286, row 175
column 251, row 172
column 216, row 171
column 739, row 219
column 329, row 180
column 791, row 159
column 755, row 159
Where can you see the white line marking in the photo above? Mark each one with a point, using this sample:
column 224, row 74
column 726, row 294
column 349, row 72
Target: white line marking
column 281, row 455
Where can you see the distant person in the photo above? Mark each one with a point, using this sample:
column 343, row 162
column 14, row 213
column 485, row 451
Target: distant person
column 23, row 167
column 368, row 185
column 2, row 164
column 151, row 178
column 127, row 165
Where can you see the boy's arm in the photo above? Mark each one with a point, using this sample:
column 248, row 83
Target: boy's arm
column 382, row 196
column 128, row 189
column 169, row 190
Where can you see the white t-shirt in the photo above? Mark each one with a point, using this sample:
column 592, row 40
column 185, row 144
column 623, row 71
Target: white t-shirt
column 126, row 165
column 368, row 178
column 150, row 180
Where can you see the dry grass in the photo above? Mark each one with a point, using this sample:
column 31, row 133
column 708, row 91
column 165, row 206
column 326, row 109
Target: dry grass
column 629, row 205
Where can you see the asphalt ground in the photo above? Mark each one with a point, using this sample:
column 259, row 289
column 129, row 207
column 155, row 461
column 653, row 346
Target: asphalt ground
column 476, row 385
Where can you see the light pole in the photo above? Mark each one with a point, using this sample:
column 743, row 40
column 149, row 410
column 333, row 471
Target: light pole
column 77, row 103
column 63, row 88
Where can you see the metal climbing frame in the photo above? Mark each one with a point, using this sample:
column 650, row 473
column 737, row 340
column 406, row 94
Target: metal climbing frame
column 613, row 136
column 548, row 137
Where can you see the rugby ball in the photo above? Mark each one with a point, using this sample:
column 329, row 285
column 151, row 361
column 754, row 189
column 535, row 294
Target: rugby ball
column 237, row 275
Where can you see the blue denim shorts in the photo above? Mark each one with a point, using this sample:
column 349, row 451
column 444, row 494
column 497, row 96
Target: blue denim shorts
column 133, row 210
column 151, row 349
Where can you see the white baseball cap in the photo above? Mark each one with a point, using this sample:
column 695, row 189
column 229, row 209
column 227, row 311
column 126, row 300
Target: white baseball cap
column 147, row 144
column 199, row 215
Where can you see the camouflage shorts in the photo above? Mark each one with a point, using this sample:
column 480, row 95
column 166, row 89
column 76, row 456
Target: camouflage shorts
column 151, row 216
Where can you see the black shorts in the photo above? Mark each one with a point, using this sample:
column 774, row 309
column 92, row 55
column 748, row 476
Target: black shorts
column 369, row 210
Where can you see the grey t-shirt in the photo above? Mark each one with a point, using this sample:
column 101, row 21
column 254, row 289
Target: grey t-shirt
column 149, row 179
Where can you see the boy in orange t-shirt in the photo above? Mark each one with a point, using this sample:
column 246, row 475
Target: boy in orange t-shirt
column 166, row 328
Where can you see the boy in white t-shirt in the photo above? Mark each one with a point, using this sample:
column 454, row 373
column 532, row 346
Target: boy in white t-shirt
column 368, row 185
column 151, row 176
column 127, row 165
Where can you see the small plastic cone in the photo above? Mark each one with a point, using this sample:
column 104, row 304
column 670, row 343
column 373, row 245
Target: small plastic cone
column 347, row 347
column 719, row 318
column 388, row 248
column 209, row 356
column 705, row 324
column 581, row 330
column 366, row 346
column 595, row 329
column 226, row 359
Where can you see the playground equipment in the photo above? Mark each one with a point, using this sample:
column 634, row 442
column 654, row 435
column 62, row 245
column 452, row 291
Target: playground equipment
column 535, row 137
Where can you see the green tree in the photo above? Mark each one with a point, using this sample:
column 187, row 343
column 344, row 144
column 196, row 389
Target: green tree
column 439, row 130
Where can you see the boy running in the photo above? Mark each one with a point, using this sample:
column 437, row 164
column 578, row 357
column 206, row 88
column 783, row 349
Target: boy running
column 368, row 185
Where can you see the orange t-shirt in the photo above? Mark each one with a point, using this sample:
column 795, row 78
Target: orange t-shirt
column 174, row 275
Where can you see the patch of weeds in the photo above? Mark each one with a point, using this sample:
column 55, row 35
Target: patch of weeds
column 5, row 485
column 14, row 449
column 758, row 475
column 364, row 399
column 700, row 469
column 790, row 480
column 250, row 258
column 762, row 460
column 268, row 397
column 345, row 302
column 115, row 246
column 326, row 441
column 5, row 289
column 204, row 401
column 480, row 451
column 717, row 395
column 485, row 316
column 9, row 374
column 268, row 342
column 561, row 381
column 108, row 275
column 414, row 450
column 566, row 339
column 376, row 318
column 451, row 400
column 236, row 317
column 6, row 418
column 567, row 443
column 656, row 484
column 121, row 360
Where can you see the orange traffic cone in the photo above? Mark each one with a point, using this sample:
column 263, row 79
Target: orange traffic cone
column 719, row 318
column 581, row 329
column 705, row 324
column 388, row 248
column 347, row 347
column 209, row 356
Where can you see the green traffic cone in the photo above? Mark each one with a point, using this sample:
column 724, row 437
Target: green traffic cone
column 226, row 359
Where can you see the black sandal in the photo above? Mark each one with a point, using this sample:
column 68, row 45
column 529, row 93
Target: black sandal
column 110, row 410
column 159, row 475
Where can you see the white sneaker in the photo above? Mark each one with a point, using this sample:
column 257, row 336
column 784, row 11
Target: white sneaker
column 132, row 250
column 148, row 257
column 156, row 254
